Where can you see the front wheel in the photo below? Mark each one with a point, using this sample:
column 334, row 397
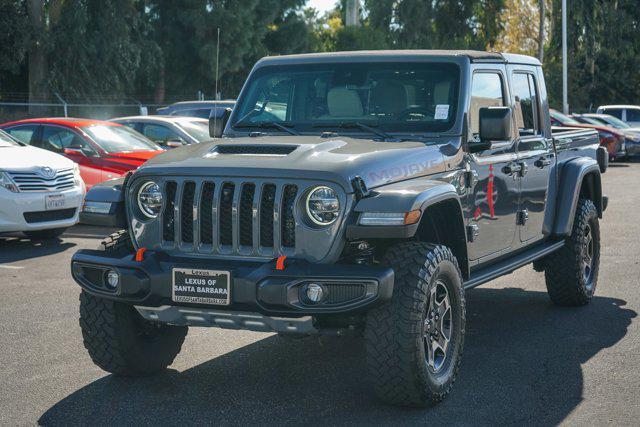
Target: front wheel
column 120, row 341
column 415, row 341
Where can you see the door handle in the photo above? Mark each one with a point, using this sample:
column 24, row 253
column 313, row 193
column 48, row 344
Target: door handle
column 542, row 162
column 512, row 168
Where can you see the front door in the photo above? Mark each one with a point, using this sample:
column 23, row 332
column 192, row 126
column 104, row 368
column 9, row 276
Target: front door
column 535, row 153
column 493, row 200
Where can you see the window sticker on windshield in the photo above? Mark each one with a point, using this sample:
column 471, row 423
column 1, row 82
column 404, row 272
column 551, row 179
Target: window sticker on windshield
column 442, row 112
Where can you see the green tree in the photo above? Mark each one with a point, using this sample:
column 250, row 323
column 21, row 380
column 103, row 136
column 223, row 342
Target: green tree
column 425, row 24
column 14, row 39
column 603, row 53
column 187, row 34
column 96, row 49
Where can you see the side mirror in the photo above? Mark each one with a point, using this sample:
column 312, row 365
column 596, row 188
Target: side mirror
column 495, row 125
column 217, row 125
column 73, row 152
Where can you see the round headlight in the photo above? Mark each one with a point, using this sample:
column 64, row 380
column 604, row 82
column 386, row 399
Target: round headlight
column 323, row 205
column 150, row 199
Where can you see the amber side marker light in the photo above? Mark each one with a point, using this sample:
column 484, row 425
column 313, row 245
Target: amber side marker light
column 412, row 217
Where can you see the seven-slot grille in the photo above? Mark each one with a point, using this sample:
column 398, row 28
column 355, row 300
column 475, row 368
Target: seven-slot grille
column 33, row 181
column 229, row 216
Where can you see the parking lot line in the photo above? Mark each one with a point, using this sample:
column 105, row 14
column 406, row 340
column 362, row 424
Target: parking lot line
column 11, row 267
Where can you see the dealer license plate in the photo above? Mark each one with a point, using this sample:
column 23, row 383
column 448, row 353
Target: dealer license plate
column 54, row 201
column 201, row 286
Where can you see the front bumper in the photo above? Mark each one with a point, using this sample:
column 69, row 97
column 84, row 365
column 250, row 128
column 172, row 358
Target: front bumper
column 255, row 287
column 13, row 207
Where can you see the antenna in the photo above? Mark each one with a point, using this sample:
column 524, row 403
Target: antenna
column 215, row 95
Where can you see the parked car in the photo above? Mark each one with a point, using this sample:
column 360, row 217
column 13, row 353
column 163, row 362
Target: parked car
column 612, row 139
column 40, row 192
column 630, row 114
column 607, row 120
column 631, row 134
column 201, row 109
column 169, row 131
column 372, row 209
column 104, row 150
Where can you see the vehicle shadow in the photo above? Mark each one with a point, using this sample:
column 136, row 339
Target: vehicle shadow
column 16, row 247
column 82, row 231
column 522, row 363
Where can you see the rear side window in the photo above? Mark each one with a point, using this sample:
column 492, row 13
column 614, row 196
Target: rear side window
column 615, row 112
column 25, row 133
column 526, row 104
column 487, row 91
column 633, row 115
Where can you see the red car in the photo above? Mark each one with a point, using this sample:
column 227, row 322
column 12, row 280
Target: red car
column 103, row 150
column 611, row 138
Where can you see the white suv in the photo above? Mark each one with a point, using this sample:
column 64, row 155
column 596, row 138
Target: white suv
column 41, row 192
column 630, row 114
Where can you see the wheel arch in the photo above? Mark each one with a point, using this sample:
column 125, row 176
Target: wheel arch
column 580, row 178
column 442, row 222
column 441, row 219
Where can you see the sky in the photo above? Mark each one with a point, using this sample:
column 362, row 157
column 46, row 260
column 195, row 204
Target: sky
column 321, row 5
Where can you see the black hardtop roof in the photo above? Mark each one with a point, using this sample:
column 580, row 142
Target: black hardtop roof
column 374, row 55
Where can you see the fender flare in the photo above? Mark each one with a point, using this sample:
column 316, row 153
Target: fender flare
column 404, row 196
column 573, row 174
column 112, row 192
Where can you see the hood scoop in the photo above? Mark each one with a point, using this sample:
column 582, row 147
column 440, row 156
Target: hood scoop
column 251, row 150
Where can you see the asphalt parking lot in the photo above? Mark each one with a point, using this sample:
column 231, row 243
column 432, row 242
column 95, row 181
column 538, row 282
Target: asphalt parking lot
column 525, row 360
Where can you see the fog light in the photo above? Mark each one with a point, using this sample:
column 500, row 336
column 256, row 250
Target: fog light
column 314, row 292
column 113, row 278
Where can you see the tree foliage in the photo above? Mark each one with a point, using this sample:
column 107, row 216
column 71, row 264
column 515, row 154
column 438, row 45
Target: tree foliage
column 105, row 39
column 603, row 53
column 165, row 50
column 14, row 39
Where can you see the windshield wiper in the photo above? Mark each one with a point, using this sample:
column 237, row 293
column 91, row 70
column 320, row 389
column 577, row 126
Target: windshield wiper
column 283, row 127
column 358, row 125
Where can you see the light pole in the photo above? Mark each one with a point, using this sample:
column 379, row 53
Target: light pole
column 353, row 13
column 565, row 101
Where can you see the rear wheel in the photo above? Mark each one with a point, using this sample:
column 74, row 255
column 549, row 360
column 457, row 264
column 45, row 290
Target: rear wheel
column 45, row 234
column 415, row 341
column 117, row 338
column 572, row 272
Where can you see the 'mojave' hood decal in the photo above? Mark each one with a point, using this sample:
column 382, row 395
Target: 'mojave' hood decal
column 336, row 159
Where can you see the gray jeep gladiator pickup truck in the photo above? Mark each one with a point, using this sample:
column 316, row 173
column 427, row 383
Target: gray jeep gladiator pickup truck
column 351, row 193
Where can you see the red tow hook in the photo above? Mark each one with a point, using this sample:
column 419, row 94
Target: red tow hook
column 280, row 262
column 140, row 254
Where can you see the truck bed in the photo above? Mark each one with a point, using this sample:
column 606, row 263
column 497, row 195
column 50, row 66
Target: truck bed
column 567, row 138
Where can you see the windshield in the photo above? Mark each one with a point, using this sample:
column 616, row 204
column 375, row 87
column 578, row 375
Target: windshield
column 197, row 129
column 613, row 121
column 7, row 141
column 393, row 97
column 119, row 139
column 563, row 118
